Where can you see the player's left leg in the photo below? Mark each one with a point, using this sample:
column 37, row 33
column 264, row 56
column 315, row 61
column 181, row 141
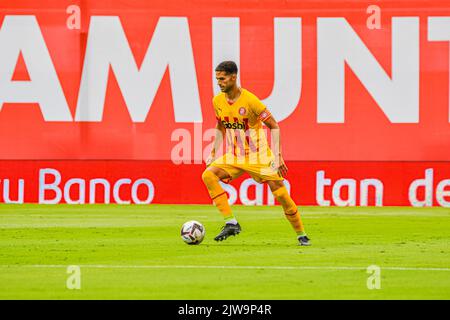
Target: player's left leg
column 291, row 212
column 262, row 169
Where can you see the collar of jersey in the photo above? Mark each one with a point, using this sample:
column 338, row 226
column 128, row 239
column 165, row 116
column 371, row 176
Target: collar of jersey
column 225, row 96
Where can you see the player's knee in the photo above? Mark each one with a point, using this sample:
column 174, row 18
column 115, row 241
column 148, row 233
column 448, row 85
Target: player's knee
column 209, row 177
column 275, row 185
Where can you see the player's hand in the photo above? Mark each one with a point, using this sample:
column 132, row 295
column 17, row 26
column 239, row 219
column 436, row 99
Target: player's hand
column 282, row 168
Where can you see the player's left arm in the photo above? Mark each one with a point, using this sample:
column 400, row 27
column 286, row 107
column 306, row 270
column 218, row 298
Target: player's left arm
column 272, row 124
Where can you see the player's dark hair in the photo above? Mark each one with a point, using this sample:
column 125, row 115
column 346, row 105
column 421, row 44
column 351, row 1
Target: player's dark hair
column 229, row 67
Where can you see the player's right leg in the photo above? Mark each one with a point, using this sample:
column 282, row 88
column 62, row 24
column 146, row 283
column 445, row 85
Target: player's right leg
column 211, row 177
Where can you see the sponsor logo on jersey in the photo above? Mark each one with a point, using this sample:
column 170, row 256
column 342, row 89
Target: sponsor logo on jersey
column 236, row 124
column 233, row 125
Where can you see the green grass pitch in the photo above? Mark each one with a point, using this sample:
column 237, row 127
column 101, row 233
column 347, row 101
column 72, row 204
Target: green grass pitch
column 135, row 252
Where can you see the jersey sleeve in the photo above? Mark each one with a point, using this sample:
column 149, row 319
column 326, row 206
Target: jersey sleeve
column 259, row 109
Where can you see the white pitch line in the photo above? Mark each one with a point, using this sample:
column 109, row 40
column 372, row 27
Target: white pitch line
column 99, row 266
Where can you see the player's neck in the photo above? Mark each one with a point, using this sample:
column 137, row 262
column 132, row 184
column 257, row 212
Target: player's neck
column 233, row 94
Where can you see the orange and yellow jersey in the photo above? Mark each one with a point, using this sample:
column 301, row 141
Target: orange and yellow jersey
column 243, row 123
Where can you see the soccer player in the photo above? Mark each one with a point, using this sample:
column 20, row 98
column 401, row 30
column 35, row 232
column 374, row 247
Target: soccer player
column 240, row 115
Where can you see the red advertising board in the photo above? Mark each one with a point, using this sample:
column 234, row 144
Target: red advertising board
column 352, row 84
column 112, row 121
column 141, row 182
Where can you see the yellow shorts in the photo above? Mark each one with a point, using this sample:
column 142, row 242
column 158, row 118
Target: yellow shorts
column 261, row 170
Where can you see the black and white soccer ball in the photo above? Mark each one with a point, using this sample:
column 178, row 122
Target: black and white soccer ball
column 192, row 232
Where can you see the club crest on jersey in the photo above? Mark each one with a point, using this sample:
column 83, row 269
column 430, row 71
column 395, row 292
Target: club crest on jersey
column 242, row 111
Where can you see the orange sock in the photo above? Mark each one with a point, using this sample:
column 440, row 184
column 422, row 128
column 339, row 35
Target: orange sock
column 217, row 194
column 290, row 210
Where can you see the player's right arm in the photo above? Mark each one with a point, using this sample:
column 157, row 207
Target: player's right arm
column 218, row 142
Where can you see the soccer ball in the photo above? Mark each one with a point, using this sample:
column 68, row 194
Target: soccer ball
column 192, row 232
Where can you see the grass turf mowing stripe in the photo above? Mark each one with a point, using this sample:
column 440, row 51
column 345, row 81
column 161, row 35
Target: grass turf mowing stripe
column 227, row 267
